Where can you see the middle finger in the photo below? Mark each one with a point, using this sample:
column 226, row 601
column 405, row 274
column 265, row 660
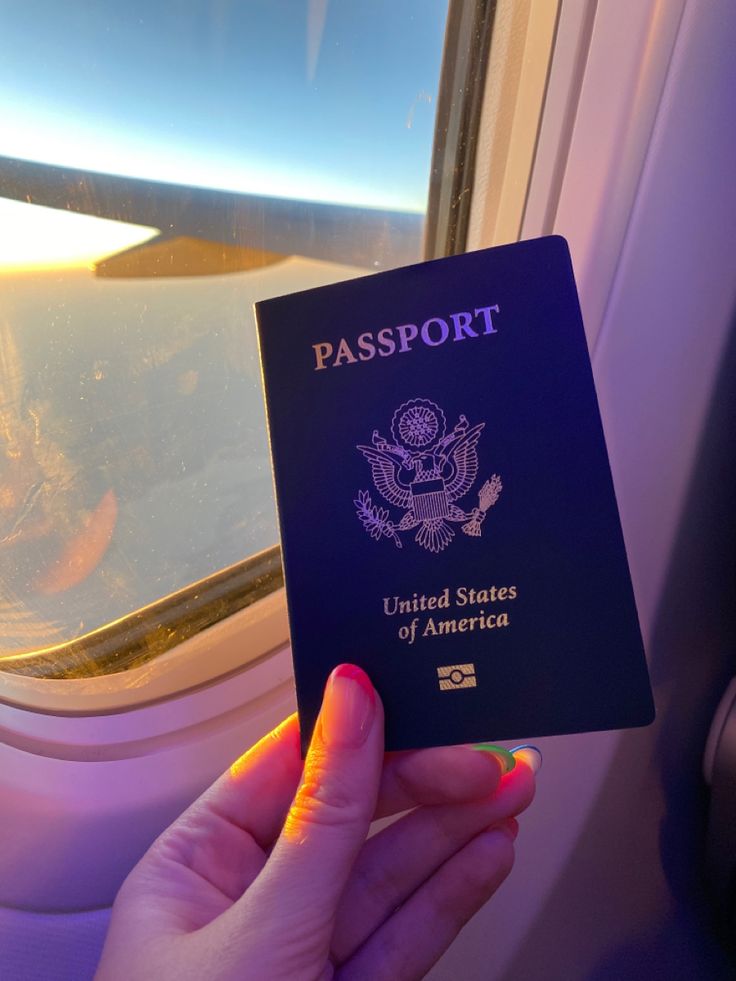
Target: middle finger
column 396, row 861
column 441, row 775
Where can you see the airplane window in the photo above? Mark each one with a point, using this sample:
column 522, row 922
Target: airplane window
column 162, row 167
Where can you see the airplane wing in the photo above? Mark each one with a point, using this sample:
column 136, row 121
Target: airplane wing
column 205, row 231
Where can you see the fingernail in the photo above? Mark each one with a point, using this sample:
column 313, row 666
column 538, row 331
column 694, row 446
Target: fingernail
column 531, row 755
column 504, row 757
column 348, row 708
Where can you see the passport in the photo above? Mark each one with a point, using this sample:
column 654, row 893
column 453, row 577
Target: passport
column 447, row 514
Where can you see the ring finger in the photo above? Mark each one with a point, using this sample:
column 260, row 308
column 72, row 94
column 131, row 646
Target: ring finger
column 400, row 858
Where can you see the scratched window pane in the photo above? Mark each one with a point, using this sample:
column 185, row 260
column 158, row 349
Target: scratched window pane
column 162, row 167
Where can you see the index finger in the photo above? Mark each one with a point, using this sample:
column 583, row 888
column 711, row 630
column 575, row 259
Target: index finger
column 256, row 792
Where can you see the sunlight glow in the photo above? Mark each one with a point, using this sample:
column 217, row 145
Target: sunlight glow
column 34, row 238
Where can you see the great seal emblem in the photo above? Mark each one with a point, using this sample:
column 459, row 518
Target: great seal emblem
column 424, row 471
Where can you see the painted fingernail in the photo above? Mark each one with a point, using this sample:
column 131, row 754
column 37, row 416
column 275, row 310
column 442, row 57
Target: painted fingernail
column 348, row 708
column 504, row 757
column 531, row 755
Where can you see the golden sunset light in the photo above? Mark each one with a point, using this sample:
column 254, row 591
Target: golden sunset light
column 34, row 238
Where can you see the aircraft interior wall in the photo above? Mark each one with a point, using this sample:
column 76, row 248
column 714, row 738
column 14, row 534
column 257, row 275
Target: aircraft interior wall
column 609, row 882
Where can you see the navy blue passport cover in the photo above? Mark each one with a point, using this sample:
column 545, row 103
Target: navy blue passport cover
column 448, row 520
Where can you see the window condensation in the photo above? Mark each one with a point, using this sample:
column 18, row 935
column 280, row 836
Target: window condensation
column 161, row 169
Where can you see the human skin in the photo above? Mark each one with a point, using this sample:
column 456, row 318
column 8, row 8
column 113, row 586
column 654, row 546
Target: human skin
column 271, row 875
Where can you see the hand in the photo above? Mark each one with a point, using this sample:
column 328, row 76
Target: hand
column 270, row 876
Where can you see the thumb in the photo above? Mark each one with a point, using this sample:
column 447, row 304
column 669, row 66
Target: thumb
column 331, row 813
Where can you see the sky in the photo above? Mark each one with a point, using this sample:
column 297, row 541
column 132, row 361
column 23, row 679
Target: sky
column 316, row 99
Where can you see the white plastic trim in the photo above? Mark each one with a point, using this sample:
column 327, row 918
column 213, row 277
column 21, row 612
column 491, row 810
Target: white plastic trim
column 521, row 48
column 627, row 62
column 226, row 647
column 146, row 729
column 571, row 44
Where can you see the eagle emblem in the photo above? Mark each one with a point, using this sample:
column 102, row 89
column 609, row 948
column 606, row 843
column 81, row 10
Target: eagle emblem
column 424, row 471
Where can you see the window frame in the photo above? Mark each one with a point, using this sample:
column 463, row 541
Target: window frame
column 145, row 656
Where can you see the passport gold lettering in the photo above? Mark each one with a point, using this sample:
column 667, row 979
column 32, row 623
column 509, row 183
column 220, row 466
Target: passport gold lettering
column 465, row 597
column 439, row 338
column 433, row 332
column 461, row 322
column 393, row 604
column 387, row 346
column 323, row 351
column 438, row 628
column 344, row 353
column 407, row 333
column 367, row 347
column 461, row 596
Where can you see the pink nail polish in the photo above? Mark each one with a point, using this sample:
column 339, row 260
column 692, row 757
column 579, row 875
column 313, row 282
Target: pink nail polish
column 348, row 708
